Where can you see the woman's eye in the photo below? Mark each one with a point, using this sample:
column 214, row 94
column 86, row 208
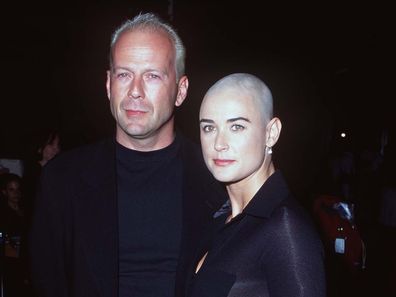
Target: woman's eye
column 207, row 128
column 237, row 127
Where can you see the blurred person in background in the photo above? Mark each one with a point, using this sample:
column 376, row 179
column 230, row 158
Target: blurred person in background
column 14, row 229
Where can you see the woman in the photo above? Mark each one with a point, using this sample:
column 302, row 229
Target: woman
column 265, row 243
column 13, row 225
column 46, row 146
column 11, row 212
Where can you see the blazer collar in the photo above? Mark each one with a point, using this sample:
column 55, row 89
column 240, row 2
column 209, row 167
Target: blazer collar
column 101, row 166
column 270, row 195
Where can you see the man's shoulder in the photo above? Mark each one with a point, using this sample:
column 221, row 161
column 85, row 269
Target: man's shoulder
column 187, row 141
column 82, row 156
column 193, row 160
column 191, row 150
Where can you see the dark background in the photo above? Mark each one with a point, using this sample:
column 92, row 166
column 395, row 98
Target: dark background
column 329, row 67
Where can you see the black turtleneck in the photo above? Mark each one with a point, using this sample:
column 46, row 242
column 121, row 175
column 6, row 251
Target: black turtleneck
column 150, row 214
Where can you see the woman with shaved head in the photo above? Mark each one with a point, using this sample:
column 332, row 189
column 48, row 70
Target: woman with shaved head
column 265, row 243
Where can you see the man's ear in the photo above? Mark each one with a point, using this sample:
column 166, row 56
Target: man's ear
column 182, row 90
column 108, row 83
column 273, row 130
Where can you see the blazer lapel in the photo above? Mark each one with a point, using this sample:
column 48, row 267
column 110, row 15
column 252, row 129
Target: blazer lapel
column 97, row 219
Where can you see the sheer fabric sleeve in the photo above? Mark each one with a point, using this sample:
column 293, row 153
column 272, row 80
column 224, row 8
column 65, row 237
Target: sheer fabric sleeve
column 294, row 266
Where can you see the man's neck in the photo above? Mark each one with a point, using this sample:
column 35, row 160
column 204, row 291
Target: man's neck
column 152, row 143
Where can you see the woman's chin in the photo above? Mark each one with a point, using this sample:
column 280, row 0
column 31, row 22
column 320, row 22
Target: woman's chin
column 224, row 178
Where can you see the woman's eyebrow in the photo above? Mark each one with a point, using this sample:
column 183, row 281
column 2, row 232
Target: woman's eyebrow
column 206, row 121
column 238, row 119
column 228, row 121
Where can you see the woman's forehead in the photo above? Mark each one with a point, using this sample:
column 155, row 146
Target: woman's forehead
column 231, row 99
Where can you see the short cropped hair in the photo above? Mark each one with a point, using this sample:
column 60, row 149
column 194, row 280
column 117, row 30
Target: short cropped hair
column 151, row 22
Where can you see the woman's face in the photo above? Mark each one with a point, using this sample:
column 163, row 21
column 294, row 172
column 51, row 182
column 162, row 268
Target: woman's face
column 13, row 191
column 233, row 135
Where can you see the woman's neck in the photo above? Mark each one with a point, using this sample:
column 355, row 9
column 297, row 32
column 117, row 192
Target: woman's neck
column 243, row 191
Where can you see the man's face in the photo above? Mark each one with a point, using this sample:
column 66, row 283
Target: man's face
column 142, row 87
column 232, row 135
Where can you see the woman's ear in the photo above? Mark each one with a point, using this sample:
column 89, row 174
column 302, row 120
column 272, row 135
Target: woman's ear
column 273, row 130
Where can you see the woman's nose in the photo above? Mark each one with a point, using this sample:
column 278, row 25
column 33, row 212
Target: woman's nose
column 220, row 143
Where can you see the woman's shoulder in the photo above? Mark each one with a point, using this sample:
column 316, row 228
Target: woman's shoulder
column 291, row 211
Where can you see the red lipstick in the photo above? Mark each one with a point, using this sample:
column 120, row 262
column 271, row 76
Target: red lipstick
column 223, row 162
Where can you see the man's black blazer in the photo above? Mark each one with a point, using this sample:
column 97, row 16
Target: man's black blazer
column 74, row 236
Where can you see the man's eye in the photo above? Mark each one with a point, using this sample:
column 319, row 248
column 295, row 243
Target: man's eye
column 153, row 76
column 237, row 127
column 122, row 75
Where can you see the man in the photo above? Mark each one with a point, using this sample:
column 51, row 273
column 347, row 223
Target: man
column 123, row 217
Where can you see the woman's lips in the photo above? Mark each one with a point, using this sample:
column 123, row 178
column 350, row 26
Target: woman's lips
column 223, row 162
